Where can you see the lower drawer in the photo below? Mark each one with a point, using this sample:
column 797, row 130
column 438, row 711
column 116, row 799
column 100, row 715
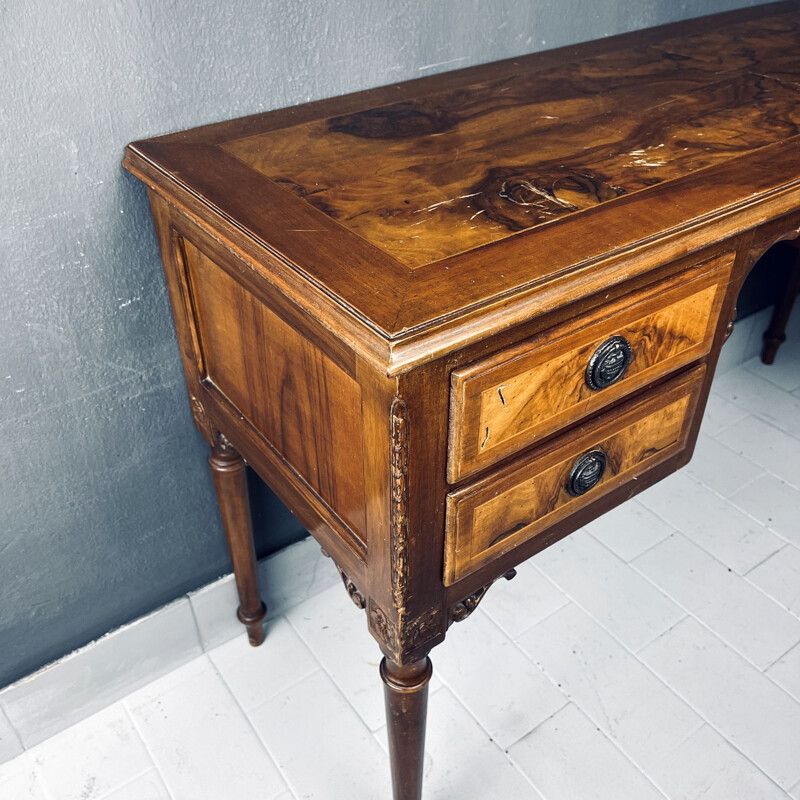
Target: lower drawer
column 492, row 516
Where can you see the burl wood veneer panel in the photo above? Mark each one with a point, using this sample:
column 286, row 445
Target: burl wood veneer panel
column 449, row 171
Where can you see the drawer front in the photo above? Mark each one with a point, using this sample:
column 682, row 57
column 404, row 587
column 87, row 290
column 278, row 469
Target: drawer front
column 511, row 400
column 499, row 512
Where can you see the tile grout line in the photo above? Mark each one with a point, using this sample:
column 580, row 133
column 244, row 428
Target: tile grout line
column 743, row 576
column 14, row 730
column 264, row 746
column 332, row 679
column 124, row 702
column 727, row 740
column 766, row 377
column 771, row 422
column 510, row 756
column 755, row 519
column 689, row 613
column 591, row 717
column 764, row 561
column 783, row 655
column 668, row 686
column 730, row 425
column 732, row 648
column 702, row 716
column 572, row 700
column 764, row 592
column 116, row 789
column 213, row 667
column 735, row 508
column 541, row 619
column 196, row 623
column 603, row 626
column 727, row 498
column 611, row 740
column 40, row 779
column 456, row 695
column 767, row 470
column 647, row 549
column 288, row 686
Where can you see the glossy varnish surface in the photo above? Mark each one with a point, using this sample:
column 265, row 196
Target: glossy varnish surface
column 296, row 397
column 526, row 393
column 495, row 515
column 366, row 286
column 428, row 178
column 419, row 208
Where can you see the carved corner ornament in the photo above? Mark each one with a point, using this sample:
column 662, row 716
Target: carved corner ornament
column 201, row 419
column 403, row 639
column 400, row 636
column 352, row 590
column 461, row 610
column 398, row 545
column 223, row 444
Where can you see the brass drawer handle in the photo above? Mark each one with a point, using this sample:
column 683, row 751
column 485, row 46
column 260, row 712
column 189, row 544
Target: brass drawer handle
column 586, row 472
column 608, row 363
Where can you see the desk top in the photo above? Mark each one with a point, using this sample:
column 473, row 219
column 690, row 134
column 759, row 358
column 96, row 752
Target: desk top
column 422, row 210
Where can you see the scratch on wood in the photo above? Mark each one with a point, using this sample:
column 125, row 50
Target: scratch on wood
column 434, row 206
column 640, row 158
column 510, row 190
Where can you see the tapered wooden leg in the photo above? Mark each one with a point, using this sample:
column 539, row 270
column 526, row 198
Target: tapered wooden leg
column 230, row 480
column 775, row 334
column 405, row 690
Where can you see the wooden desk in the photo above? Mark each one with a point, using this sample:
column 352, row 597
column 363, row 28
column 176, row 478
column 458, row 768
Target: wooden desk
column 452, row 320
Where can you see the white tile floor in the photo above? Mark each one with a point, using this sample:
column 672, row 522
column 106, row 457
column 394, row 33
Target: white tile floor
column 655, row 654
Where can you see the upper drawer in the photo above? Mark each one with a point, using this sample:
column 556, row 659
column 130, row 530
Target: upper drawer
column 514, row 398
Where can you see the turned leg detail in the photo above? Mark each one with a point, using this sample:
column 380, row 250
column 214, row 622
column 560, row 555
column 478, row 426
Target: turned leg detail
column 775, row 334
column 230, row 480
column 405, row 690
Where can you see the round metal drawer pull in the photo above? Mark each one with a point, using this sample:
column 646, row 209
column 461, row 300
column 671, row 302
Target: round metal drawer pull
column 586, row 472
column 608, row 363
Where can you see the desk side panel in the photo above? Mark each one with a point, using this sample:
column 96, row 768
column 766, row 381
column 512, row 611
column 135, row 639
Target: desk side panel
column 296, row 397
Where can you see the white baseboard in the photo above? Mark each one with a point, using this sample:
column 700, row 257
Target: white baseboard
column 85, row 681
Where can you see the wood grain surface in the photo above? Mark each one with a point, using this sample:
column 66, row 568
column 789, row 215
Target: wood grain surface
column 427, row 178
column 491, row 517
column 418, row 211
column 531, row 391
column 387, row 302
column 305, row 405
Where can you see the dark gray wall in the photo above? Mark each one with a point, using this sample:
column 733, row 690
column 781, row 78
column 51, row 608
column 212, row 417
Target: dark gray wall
column 106, row 507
